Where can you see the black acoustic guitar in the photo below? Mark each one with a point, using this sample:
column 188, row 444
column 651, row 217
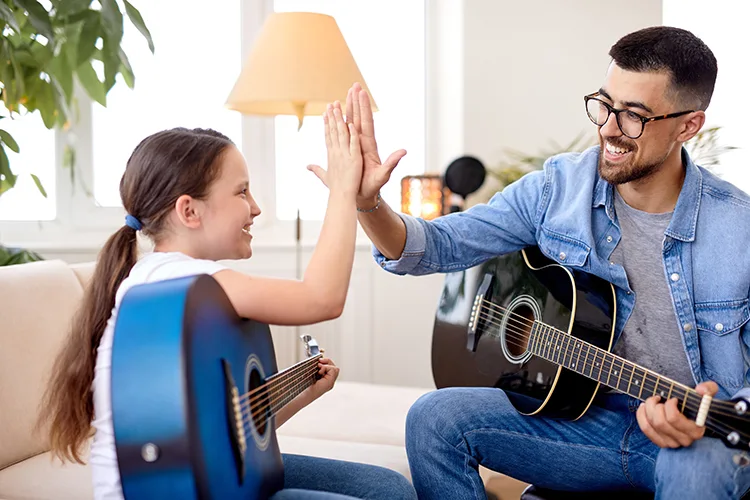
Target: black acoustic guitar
column 542, row 332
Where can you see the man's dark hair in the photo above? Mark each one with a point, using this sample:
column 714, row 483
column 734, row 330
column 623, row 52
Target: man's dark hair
column 689, row 62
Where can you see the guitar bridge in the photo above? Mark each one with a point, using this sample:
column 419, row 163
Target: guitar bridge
column 475, row 320
column 235, row 420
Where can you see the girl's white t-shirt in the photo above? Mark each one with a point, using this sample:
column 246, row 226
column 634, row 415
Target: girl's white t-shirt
column 155, row 266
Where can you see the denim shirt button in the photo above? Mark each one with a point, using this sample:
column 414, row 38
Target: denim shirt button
column 609, row 239
column 719, row 327
column 562, row 255
column 687, row 327
column 675, row 277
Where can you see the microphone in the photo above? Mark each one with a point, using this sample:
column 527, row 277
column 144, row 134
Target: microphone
column 463, row 176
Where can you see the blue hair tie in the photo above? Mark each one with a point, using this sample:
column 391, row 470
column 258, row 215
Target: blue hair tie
column 132, row 222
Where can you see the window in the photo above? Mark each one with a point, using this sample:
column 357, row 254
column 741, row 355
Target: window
column 722, row 28
column 185, row 83
column 387, row 40
column 24, row 202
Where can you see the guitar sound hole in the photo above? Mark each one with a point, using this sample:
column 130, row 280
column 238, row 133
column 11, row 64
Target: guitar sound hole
column 518, row 330
column 260, row 403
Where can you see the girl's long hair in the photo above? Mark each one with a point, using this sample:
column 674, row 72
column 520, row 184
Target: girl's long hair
column 162, row 167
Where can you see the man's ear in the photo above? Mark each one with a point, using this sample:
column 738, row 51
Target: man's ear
column 189, row 211
column 692, row 126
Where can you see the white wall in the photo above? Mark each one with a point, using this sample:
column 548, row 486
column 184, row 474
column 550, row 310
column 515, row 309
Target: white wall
column 515, row 76
column 494, row 69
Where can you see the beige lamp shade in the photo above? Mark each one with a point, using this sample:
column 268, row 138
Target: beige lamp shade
column 300, row 62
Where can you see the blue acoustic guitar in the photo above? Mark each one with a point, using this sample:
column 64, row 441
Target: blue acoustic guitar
column 194, row 393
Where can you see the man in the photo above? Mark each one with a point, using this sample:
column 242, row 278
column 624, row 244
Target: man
column 636, row 211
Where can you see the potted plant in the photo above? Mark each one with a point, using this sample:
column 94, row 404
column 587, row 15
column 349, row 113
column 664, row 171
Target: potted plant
column 44, row 52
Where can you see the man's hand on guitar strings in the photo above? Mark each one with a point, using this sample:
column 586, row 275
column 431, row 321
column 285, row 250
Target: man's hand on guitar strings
column 665, row 425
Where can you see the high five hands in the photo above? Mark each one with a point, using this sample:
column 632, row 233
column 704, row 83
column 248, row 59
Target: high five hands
column 374, row 172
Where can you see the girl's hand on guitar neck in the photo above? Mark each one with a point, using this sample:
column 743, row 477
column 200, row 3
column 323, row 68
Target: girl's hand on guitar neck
column 665, row 425
column 328, row 372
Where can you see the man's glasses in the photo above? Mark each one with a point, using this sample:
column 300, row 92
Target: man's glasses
column 631, row 123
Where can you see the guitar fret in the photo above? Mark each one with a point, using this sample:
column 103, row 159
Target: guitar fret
column 684, row 400
column 609, row 375
column 580, row 351
column 554, row 346
column 567, row 348
column 586, row 359
column 601, row 367
column 656, row 386
column 549, row 348
column 643, row 382
column 630, row 380
column 671, row 388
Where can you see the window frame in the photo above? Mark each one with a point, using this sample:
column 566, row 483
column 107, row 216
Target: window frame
column 80, row 224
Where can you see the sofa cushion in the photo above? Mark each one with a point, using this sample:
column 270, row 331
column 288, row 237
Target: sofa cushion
column 37, row 302
column 359, row 412
column 83, row 271
column 46, row 478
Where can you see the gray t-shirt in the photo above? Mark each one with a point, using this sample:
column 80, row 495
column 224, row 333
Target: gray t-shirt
column 651, row 337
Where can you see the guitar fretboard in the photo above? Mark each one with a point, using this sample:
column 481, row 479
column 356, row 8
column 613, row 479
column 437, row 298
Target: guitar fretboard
column 613, row 371
column 290, row 383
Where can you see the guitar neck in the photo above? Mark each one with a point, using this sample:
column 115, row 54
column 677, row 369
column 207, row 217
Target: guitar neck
column 286, row 385
column 606, row 368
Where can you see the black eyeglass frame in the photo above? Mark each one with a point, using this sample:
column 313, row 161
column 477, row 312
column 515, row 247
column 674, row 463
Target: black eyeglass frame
column 611, row 109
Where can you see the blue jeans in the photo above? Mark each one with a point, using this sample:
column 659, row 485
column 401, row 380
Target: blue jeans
column 323, row 479
column 450, row 432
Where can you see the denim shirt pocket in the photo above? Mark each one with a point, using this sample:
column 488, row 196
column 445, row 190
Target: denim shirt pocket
column 563, row 249
column 719, row 325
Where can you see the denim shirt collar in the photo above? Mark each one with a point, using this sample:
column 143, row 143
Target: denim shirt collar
column 685, row 217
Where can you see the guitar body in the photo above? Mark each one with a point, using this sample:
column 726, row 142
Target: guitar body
column 534, row 288
column 179, row 348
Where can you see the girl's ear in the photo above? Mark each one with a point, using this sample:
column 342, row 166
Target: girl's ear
column 188, row 211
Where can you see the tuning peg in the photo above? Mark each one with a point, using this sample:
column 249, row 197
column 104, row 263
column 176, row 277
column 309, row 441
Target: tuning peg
column 733, row 437
column 740, row 407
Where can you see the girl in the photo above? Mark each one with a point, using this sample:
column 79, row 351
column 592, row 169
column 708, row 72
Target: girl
column 188, row 191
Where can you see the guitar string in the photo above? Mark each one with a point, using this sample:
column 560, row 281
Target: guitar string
column 280, row 376
column 568, row 350
column 525, row 321
column 281, row 391
column 718, row 426
column 272, row 400
column 274, row 383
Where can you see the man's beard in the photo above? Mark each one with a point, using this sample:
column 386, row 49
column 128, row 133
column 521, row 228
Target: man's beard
column 627, row 172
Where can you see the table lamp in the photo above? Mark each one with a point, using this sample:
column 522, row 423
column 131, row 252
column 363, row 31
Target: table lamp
column 299, row 63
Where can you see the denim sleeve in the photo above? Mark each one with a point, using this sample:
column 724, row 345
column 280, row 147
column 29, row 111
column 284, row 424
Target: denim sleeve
column 508, row 222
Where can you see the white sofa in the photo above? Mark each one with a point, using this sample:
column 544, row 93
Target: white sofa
column 37, row 302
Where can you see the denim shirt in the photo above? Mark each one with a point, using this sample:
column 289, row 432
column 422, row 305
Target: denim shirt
column 567, row 210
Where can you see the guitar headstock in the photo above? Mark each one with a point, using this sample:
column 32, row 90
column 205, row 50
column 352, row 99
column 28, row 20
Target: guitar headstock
column 311, row 345
column 730, row 421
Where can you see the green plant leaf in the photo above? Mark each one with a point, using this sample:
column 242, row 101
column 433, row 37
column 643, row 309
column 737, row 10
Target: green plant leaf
column 14, row 256
column 63, row 73
column 46, row 103
column 39, row 185
column 66, row 8
column 9, row 141
column 92, row 84
column 112, row 21
column 7, row 177
column 88, row 37
column 38, row 17
column 111, row 62
column 7, row 15
column 137, row 20
column 126, row 70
